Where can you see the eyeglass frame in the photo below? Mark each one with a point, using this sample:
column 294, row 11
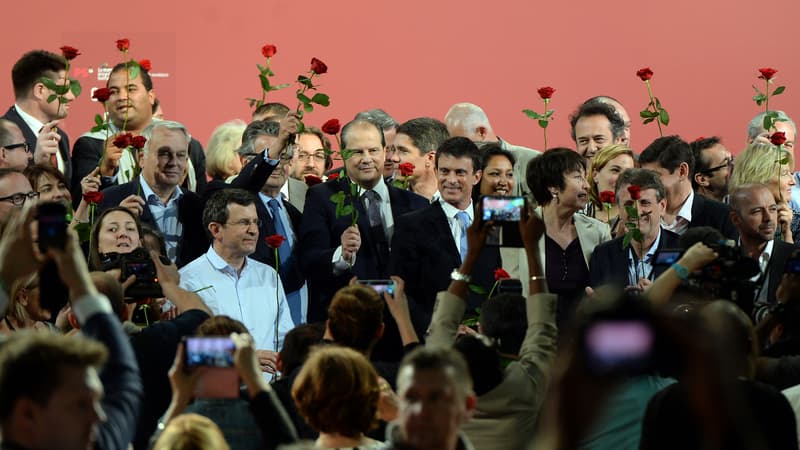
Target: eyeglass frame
column 24, row 195
column 241, row 223
column 16, row 146
column 711, row 170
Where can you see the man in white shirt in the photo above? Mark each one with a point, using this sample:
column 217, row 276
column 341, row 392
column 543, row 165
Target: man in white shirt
column 234, row 285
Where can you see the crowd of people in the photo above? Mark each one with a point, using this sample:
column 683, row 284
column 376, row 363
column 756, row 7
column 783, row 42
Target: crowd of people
column 427, row 286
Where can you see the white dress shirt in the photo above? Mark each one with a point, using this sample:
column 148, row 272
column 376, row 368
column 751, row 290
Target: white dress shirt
column 36, row 126
column 249, row 297
column 455, row 225
column 683, row 218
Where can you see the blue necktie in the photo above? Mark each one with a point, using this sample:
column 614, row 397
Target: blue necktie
column 463, row 219
column 286, row 249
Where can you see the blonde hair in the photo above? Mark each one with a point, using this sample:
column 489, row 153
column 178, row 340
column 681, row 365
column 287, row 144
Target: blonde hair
column 757, row 164
column 191, row 432
column 16, row 310
column 222, row 146
column 601, row 158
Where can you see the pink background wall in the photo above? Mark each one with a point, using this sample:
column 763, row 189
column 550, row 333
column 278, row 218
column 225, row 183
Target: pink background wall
column 418, row 57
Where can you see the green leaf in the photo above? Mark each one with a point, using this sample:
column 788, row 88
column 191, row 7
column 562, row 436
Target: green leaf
column 75, row 87
column 302, row 98
column 98, row 128
column 626, row 241
column 756, row 89
column 779, row 90
column 49, row 84
column 663, row 117
column 758, row 101
column 632, row 211
column 98, row 119
column 477, row 289
column 346, row 153
column 305, row 81
column 280, row 86
column 261, row 69
column 531, row 113
column 308, row 107
column 637, row 235
column 784, row 161
column 347, row 210
column 353, row 189
column 264, row 82
column 646, row 121
column 321, row 99
column 51, row 98
column 647, row 113
column 337, row 197
column 544, row 123
column 61, row 89
column 658, row 103
column 84, row 230
column 133, row 67
column 768, row 122
column 548, row 114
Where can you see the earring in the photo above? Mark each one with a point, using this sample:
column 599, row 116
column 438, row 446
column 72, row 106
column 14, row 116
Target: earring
column 555, row 197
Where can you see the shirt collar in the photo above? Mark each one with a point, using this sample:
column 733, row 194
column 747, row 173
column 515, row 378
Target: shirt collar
column 285, row 189
column 33, row 123
column 147, row 191
column 450, row 211
column 436, row 196
column 686, row 209
column 220, row 264
column 380, row 188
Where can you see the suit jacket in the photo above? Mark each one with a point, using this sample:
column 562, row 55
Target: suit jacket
column 194, row 242
column 297, row 193
column 506, row 416
column 609, row 262
column 424, row 254
column 523, row 155
column 31, row 137
column 711, row 213
column 320, row 236
column 781, row 252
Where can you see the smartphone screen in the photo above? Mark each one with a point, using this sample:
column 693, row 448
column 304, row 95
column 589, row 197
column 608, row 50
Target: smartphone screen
column 209, row 352
column 502, row 209
column 380, row 286
column 667, row 257
column 619, row 346
column 52, row 225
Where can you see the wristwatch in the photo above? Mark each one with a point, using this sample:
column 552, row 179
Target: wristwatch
column 682, row 272
column 455, row 275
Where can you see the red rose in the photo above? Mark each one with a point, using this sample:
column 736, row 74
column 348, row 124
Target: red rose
column 274, row 241
column 331, row 127
column 608, row 197
column 93, row 197
column 138, row 141
column 269, row 50
column 778, row 138
column 501, row 274
column 406, row 169
column 767, row 73
column 101, row 94
column 123, row 44
column 145, row 65
column 312, row 180
column 635, row 191
column 69, row 52
column 123, row 140
column 545, row 92
column 318, row 66
column 333, row 176
column 644, row 73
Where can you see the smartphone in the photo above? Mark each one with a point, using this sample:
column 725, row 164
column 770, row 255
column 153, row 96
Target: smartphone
column 52, row 223
column 209, row 351
column 619, row 347
column 380, row 286
column 502, row 209
column 667, row 257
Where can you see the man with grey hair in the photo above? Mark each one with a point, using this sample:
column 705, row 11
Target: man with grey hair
column 156, row 197
column 385, row 122
column 470, row 121
column 757, row 134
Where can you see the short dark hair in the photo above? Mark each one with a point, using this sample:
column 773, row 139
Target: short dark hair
column 255, row 129
column 146, row 80
column 31, row 365
column 645, row 179
column 669, row 152
column 156, row 104
column 460, row 147
column 277, row 109
column 504, row 319
column 483, row 361
column 442, row 359
column 598, row 108
column 697, row 147
column 426, row 133
column 548, row 169
column 34, row 171
column 354, row 317
column 31, row 67
column 297, row 345
column 220, row 326
column 216, row 209
column 360, row 122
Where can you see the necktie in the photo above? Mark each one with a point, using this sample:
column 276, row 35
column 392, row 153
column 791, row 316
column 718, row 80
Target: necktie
column 285, row 249
column 463, row 219
column 373, row 208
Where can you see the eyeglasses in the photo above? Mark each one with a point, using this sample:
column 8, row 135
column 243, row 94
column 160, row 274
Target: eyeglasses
column 727, row 163
column 18, row 199
column 21, row 144
column 319, row 156
column 245, row 223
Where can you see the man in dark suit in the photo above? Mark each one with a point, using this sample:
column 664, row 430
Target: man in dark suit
column 130, row 106
column 155, row 195
column 430, row 243
column 34, row 115
column 624, row 267
column 332, row 249
column 754, row 212
column 672, row 158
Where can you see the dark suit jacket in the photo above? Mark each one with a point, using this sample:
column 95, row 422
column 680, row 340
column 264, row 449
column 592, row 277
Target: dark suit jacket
column 88, row 150
column 31, row 138
column 711, row 213
column 781, row 251
column 609, row 262
column 194, row 242
column 320, row 235
column 424, row 254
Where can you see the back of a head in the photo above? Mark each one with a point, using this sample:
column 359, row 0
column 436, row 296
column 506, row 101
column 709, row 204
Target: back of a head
column 483, row 361
column 191, row 432
column 337, row 391
column 734, row 336
column 447, row 360
column 504, row 319
column 426, row 133
column 297, row 345
column 466, row 117
column 757, row 164
column 221, row 149
column 668, row 152
column 355, row 317
column 271, row 111
column 220, row 326
column 707, row 235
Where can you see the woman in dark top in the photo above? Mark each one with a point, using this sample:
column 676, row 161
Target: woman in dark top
column 557, row 180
